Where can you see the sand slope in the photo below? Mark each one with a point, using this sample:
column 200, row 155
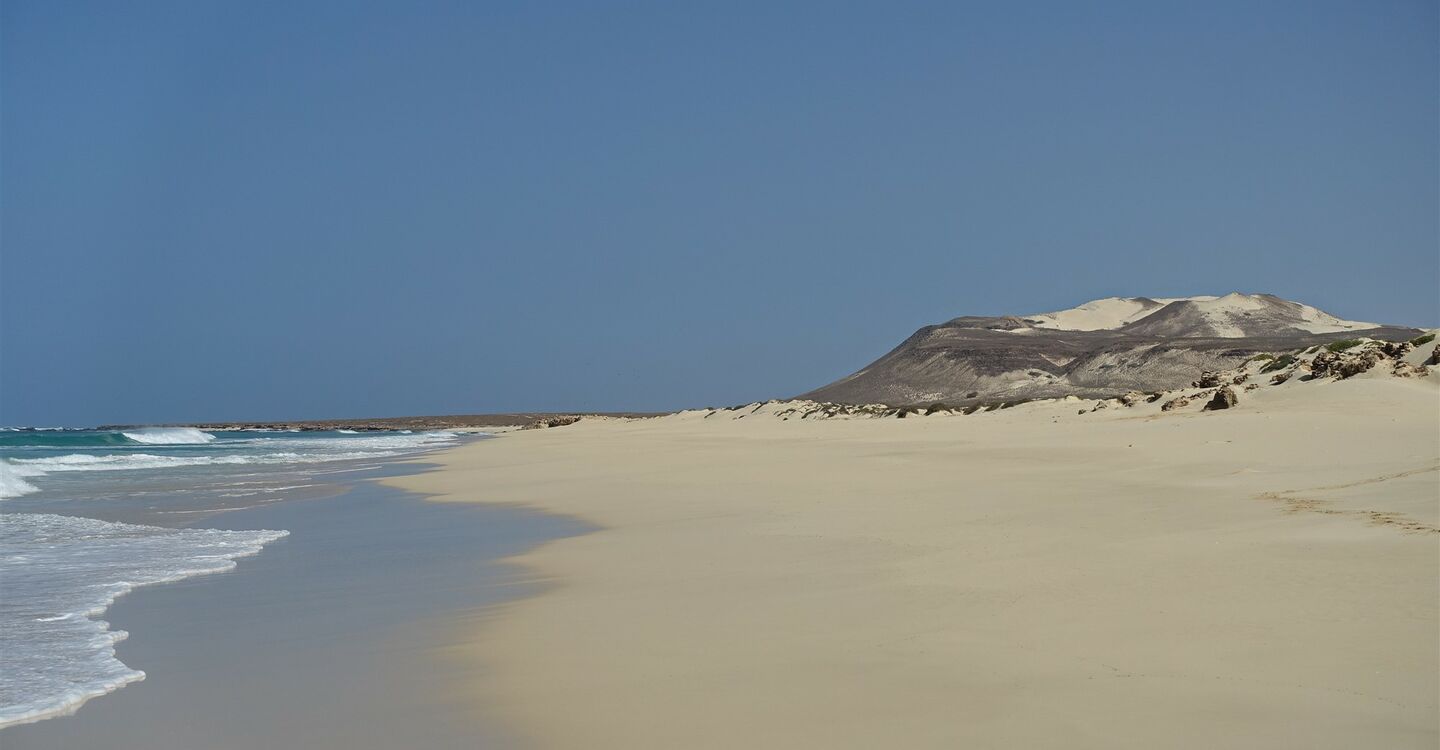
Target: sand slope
column 1032, row 577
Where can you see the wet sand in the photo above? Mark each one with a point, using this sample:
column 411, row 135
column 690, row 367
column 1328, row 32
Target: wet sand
column 329, row 638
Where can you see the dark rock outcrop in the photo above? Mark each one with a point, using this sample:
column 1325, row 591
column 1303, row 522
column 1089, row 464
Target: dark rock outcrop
column 556, row 421
column 1395, row 349
column 1175, row 403
column 1207, row 380
column 1224, row 399
column 1407, row 370
column 1344, row 364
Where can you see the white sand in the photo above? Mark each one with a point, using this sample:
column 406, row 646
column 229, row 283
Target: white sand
column 1114, row 312
column 1261, row 577
column 1101, row 314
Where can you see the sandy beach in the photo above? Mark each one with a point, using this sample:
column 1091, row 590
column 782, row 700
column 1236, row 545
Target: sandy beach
column 1264, row 576
column 726, row 376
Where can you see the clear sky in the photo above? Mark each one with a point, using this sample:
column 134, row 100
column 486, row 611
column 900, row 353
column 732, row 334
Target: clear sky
column 265, row 210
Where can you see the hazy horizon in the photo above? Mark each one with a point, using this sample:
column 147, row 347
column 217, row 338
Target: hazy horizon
column 212, row 211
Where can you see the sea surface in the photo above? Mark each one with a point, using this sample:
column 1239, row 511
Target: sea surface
column 87, row 516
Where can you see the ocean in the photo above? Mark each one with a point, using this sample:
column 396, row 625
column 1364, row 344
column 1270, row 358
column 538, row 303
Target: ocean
column 87, row 516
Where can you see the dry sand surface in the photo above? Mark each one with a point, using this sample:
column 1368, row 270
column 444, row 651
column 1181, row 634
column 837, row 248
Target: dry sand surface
column 1267, row 576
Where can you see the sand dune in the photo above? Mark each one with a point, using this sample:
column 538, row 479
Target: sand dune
column 1264, row 576
column 1220, row 315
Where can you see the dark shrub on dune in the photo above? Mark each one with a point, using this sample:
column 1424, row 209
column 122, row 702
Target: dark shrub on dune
column 1281, row 362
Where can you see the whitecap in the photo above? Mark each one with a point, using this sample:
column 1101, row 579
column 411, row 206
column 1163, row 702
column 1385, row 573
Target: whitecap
column 169, row 436
column 12, row 480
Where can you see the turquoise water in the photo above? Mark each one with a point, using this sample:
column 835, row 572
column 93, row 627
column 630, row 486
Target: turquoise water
column 135, row 461
column 89, row 515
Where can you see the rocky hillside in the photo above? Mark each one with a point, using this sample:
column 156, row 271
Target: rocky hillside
column 1341, row 359
column 1100, row 349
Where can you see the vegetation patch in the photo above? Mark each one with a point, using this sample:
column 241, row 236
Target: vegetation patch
column 1342, row 345
column 1279, row 363
column 1259, row 358
column 1420, row 340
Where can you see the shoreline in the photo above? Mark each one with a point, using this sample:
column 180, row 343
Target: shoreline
column 76, row 699
column 345, row 608
column 1024, row 577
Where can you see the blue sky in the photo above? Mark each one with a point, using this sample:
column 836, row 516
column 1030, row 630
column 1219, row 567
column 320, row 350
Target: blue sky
column 269, row 210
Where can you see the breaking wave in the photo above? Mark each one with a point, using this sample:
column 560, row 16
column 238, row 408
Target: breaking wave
column 170, row 436
column 12, row 480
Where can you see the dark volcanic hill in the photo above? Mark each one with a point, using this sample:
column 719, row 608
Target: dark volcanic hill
column 1099, row 349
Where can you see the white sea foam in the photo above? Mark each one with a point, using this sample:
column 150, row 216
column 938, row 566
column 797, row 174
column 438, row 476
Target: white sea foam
column 267, row 490
column 124, row 461
column 306, row 451
column 60, row 574
column 169, row 436
column 12, row 480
